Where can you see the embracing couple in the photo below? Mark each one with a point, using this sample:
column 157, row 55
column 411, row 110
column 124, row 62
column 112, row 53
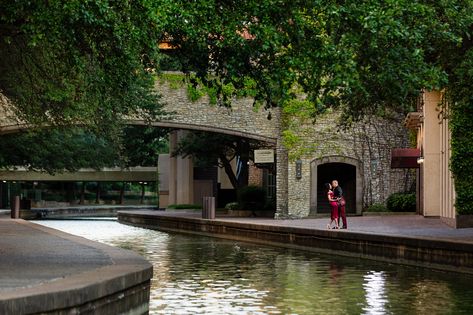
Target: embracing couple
column 337, row 205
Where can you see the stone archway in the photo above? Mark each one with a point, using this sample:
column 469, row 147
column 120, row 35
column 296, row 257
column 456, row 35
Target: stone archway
column 348, row 171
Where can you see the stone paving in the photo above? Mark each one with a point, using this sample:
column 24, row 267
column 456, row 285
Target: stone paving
column 42, row 269
column 415, row 226
column 30, row 256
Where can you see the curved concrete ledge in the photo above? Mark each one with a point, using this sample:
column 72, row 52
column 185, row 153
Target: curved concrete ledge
column 71, row 274
column 80, row 211
column 419, row 251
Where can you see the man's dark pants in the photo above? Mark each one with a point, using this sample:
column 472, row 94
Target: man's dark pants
column 342, row 214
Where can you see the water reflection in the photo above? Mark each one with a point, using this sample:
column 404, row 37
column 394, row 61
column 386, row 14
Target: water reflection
column 374, row 285
column 200, row 275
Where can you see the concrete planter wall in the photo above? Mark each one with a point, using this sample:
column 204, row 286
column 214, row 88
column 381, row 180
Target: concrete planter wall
column 249, row 213
column 464, row 221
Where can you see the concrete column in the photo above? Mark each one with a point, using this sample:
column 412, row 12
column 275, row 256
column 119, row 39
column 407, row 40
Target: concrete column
column 431, row 151
column 184, row 177
column 181, row 174
column 172, row 169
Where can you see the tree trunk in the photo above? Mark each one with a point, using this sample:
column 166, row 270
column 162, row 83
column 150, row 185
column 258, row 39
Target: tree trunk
column 122, row 194
column 229, row 171
column 97, row 194
column 82, row 193
column 244, row 149
column 142, row 193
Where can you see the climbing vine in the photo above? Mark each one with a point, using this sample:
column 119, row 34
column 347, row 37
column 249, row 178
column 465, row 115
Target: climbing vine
column 460, row 111
column 218, row 93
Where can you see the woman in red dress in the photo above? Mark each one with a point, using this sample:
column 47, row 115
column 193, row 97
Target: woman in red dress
column 333, row 207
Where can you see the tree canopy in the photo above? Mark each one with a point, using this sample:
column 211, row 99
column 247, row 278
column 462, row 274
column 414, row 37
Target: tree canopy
column 363, row 57
column 80, row 62
column 90, row 61
column 71, row 148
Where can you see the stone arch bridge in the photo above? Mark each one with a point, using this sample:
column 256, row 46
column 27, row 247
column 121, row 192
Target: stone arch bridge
column 360, row 156
column 241, row 119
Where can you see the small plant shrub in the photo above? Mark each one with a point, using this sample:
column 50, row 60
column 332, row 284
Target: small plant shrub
column 232, row 206
column 401, row 202
column 252, row 198
column 377, row 207
column 270, row 205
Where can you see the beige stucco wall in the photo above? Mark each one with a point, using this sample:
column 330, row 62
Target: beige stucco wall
column 447, row 210
column 431, row 130
column 437, row 187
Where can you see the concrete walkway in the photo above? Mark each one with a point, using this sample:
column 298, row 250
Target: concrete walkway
column 411, row 225
column 42, row 269
column 406, row 239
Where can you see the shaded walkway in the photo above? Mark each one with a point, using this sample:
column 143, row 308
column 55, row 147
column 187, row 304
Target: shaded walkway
column 415, row 226
column 42, row 269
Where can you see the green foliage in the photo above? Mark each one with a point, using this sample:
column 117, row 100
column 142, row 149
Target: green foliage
column 193, row 93
column 141, row 145
column 196, row 89
column 251, row 198
column 87, row 62
column 79, row 148
column 184, row 206
column 401, row 202
column 341, row 55
column 363, row 57
column 377, row 207
column 57, row 149
column 232, row 206
column 460, row 102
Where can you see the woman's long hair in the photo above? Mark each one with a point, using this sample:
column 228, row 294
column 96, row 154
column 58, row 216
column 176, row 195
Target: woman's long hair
column 327, row 187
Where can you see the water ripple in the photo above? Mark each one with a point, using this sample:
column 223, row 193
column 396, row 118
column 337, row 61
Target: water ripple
column 201, row 275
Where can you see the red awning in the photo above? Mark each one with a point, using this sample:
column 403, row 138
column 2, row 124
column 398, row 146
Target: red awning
column 404, row 158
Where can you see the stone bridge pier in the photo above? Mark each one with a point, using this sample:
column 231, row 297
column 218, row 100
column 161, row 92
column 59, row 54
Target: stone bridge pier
column 242, row 119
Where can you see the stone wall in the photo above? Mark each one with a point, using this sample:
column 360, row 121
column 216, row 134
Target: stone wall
column 367, row 146
column 242, row 119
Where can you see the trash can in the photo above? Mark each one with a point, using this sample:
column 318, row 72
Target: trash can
column 15, row 207
column 208, row 208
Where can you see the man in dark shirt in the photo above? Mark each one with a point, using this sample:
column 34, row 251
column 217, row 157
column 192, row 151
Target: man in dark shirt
column 338, row 194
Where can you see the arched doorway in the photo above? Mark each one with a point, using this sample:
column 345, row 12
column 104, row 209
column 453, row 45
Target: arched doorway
column 348, row 173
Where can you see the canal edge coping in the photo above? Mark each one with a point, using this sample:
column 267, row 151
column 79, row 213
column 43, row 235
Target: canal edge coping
column 445, row 255
column 119, row 288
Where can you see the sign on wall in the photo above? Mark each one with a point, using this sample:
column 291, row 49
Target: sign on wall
column 264, row 156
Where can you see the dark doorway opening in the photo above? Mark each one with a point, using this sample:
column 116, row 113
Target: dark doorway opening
column 346, row 176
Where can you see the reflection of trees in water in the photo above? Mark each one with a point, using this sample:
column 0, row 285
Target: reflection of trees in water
column 299, row 282
column 295, row 283
column 200, row 272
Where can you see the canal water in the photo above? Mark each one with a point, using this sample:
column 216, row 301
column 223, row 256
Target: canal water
column 202, row 275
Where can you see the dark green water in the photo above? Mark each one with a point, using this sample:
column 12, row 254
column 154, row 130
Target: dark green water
column 201, row 275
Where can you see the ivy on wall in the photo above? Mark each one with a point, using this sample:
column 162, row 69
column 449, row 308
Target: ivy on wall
column 218, row 93
column 301, row 136
column 461, row 125
column 460, row 105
